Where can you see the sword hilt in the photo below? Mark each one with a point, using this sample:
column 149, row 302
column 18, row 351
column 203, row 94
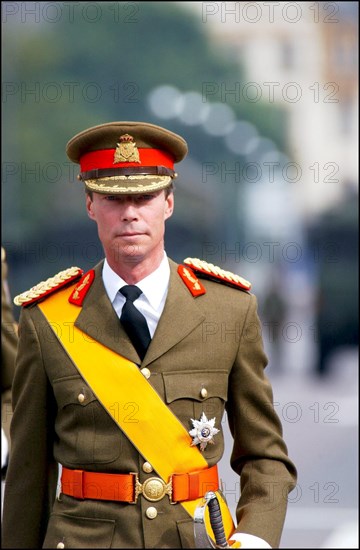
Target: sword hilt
column 216, row 520
column 202, row 538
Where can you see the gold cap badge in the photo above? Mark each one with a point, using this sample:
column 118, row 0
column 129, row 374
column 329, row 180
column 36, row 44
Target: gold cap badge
column 126, row 150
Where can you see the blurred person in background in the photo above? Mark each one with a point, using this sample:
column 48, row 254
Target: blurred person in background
column 274, row 313
column 334, row 241
column 9, row 341
column 124, row 374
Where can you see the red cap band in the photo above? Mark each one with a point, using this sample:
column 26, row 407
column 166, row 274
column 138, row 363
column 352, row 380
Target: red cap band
column 105, row 159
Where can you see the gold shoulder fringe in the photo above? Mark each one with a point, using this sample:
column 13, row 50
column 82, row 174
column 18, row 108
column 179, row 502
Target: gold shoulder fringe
column 44, row 287
column 211, row 269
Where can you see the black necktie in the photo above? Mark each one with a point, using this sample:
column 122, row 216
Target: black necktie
column 133, row 321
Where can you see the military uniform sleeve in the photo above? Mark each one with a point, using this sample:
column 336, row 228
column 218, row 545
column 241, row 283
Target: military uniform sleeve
column 32, row 472
column 9, row 340
column 259, row 452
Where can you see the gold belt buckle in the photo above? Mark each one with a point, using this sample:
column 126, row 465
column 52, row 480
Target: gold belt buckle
column 153, row 489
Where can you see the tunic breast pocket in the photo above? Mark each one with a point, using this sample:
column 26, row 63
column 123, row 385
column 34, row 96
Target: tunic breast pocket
column 192, row 393
column 86, row 432
column 78, row 532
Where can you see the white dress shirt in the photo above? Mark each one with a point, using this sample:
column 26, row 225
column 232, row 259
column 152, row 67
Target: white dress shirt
column 154, row 289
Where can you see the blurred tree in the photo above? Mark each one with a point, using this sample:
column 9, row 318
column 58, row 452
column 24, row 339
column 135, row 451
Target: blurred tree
column 74, row 65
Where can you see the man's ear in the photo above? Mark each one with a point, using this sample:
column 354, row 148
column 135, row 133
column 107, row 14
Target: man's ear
column 169, row 208
column 90, row 207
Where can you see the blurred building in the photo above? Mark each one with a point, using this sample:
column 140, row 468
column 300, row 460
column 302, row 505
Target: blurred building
column 304, row 56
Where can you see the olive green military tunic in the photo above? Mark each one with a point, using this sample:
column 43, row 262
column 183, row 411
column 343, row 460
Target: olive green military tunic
column 212, row 341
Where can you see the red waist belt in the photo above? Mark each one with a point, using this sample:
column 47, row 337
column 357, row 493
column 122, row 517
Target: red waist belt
column 127, row 488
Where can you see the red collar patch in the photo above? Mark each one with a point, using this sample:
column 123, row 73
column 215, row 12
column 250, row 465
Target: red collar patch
column 81, row 289
column 191, row 281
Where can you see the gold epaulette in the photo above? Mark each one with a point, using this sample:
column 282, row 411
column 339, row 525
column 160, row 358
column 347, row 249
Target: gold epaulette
column 215, row 273
column 44, row 288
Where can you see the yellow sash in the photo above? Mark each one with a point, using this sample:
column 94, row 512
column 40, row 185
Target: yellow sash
column 130, row 400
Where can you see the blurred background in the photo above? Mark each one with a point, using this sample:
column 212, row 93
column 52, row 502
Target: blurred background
column 266, row 94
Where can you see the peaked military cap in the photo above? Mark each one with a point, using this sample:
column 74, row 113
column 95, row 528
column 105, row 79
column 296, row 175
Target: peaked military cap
column 126, row 157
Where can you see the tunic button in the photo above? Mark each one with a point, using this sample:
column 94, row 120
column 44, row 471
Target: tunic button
column 151, row 512
column 145, row 372
column 204, row 392
column 81, row 399
column 60, row 545
column 147, row 467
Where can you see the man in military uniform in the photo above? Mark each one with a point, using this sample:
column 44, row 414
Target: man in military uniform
column 119, row 381
column 9, row 340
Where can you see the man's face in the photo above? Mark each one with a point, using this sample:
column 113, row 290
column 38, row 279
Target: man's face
column 131, row 227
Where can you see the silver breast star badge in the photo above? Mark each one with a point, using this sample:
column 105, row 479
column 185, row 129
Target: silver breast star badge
column 203, row 431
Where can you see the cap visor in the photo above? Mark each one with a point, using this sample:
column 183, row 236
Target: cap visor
column 128, row 185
